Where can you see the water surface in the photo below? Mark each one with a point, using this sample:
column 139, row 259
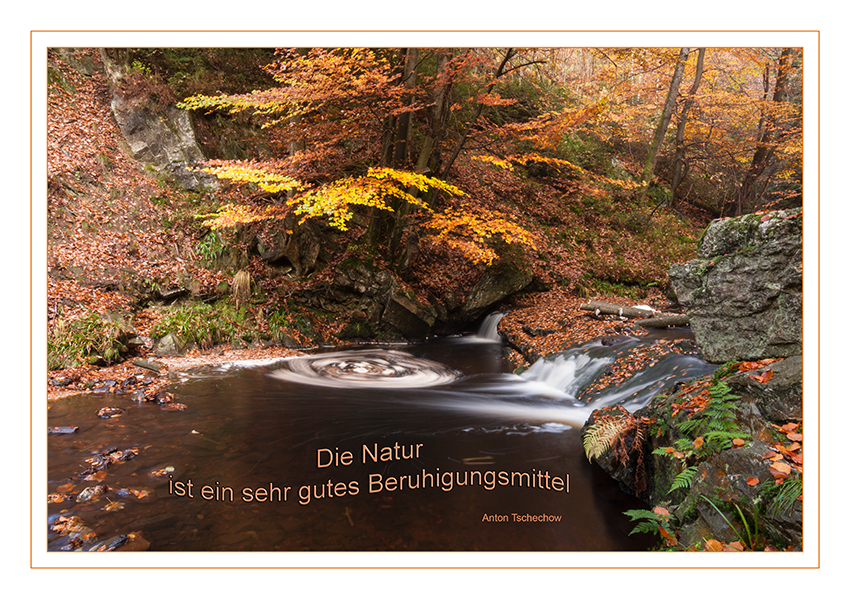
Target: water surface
column 427, row 447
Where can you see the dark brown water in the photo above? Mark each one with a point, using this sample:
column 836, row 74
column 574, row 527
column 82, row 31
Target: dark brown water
column 262, row 459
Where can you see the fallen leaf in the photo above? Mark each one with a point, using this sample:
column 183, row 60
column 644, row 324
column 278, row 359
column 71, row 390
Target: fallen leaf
column 698, row 442
column 763, row 377
column 782, row 467
column 713, row 545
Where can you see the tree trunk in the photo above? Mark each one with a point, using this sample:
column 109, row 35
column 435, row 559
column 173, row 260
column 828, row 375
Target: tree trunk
column 680, row 166
column 400, row 152
column 664, row 121
column 648, row 318
column 606, row 308
column 767, row 138
column 394, row 152
column 510, row 53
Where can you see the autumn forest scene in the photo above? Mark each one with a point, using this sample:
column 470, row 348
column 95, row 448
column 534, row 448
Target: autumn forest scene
column 376, row 299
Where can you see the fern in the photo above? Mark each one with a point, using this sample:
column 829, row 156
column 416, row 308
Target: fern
column 601, row 436
column 658, row 521
column 609, row 433
column 704, row 433
column 650, row 521
column 684, row 479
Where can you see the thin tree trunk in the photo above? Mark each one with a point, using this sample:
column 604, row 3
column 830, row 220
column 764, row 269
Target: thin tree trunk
column 680, row 166
column 767, row 139
column 510, row 53
column 664, row 121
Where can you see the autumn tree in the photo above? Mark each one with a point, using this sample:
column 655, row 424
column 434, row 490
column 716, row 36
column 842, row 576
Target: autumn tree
column 680, row 164
column 738, row 129
column 664, row 120
column 368, row 137
column 775, row 125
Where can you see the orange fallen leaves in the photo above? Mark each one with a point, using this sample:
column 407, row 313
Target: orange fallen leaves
column 763, row 377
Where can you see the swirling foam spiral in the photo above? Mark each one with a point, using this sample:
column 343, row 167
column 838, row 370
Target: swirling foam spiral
column 365, row 368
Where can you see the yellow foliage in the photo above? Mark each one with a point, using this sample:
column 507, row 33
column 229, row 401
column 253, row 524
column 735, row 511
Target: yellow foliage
column 333, row 201
column 232, row 215
column 556, row 163
column 267, row 180
column 467, row 231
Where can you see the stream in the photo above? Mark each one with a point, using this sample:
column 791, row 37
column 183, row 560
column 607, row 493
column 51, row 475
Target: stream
column 427, row 447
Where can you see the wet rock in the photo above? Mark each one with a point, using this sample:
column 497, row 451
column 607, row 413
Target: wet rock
column 106, row 458
column 68, row 533
column 105, row 387
column 110, row 544
column 92, row 493
column 62, row 430
column 61, row 381
column 780, row 399
column 109, row 412
column 149, row 364
column 135, row 542
column 495, row 284
column 411, row 318
column 138, row 494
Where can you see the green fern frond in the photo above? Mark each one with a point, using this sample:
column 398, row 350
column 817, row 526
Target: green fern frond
column 684, row 479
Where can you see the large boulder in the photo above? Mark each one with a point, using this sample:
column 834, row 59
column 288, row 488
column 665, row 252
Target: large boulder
column 498, row 282
column 744, row 292
column 162, row 139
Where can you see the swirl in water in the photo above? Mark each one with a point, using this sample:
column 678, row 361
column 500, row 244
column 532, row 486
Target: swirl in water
column 365, row 368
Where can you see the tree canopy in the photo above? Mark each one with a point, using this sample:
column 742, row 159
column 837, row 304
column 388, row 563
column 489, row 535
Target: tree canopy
column 371, row 138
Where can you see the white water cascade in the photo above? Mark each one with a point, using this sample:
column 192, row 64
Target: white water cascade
column 489, row 329
column 567, row 373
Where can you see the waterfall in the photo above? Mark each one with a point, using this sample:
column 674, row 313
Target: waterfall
column 489, row 329
column 568, row 374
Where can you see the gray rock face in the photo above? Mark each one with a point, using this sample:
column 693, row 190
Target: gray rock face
column 165, row 141
column 780, row 399
column 495, row 285
column 744, row 292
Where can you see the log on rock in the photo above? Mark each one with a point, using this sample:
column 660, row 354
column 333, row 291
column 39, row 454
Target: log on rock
column 668, row 320
column 627, row 311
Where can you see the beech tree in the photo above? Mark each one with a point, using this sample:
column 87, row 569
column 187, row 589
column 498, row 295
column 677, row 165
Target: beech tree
column 363, row 134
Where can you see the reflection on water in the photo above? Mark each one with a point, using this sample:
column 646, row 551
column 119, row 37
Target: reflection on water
column 469, row 458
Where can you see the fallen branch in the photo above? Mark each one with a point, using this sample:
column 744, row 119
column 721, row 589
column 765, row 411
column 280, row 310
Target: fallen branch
column 649, row 318
column 627, row 311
